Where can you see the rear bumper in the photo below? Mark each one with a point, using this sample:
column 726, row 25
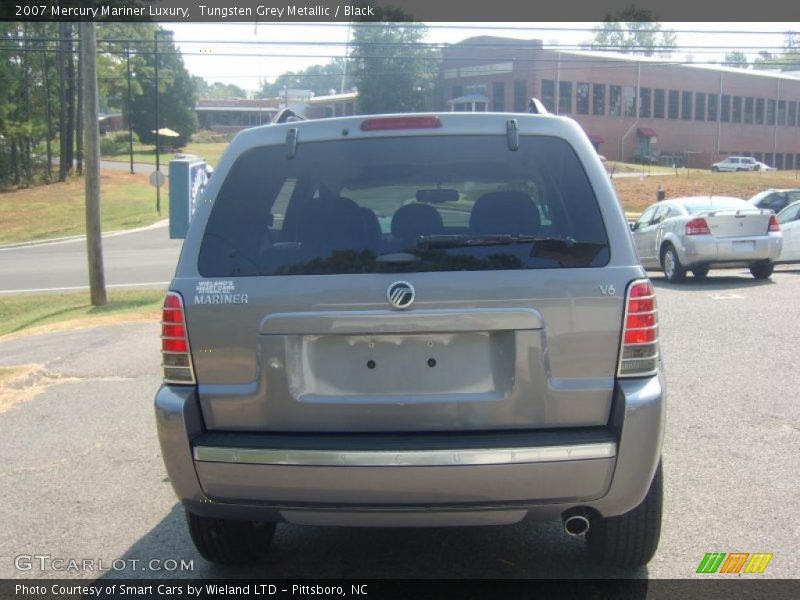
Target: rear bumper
column 455, row 480
column 705, row 249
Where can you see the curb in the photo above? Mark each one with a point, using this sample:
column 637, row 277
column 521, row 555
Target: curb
column 72, row 238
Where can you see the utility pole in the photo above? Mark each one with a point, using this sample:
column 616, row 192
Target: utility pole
column 94, row 240
column 158, row 121
column 128, row 102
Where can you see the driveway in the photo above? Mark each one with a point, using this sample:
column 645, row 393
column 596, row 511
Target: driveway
column 82, row 476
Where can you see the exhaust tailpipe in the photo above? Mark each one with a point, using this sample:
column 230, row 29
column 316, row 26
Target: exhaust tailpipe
column 576, row 524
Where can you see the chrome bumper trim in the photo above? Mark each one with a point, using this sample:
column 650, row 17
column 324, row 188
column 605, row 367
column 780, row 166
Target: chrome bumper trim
column 405, row 458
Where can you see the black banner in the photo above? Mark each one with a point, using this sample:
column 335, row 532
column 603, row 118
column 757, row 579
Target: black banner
column 267, row 11
column 584, row 589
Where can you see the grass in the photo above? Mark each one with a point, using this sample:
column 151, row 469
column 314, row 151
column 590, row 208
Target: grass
column 57, row 210
column 143, row 153
column 73, row 310
column 637, row 193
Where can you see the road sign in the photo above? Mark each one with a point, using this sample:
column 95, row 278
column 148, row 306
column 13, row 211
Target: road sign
column 157, row 179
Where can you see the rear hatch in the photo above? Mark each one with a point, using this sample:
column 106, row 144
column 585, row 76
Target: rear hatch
column 431, row 283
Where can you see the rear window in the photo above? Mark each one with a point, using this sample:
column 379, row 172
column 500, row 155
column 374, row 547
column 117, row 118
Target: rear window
column 406, row 204
column 699, row 205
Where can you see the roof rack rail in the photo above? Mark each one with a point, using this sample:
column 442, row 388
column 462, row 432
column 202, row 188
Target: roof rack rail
column 287, row 115
column 536, row 107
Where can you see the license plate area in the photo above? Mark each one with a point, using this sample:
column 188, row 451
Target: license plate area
column 409, row 368
column 744, row 246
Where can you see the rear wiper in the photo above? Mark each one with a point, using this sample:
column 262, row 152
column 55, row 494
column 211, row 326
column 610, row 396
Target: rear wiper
column 429, row 242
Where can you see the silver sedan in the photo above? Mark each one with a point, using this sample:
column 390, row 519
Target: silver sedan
column 704, row 232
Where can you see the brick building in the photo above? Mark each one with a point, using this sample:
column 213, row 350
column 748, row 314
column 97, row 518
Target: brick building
column 632, row 107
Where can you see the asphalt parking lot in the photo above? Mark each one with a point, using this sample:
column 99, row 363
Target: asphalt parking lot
column 82, row 477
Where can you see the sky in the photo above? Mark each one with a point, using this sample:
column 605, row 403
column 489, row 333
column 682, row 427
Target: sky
column 295, row 46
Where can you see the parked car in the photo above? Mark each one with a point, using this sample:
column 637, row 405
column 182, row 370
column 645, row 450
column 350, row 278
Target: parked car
column 775, row 200
column 736, row 163
column 700, row 233
column 789, row 218
column 491, row 356
column 762, row 166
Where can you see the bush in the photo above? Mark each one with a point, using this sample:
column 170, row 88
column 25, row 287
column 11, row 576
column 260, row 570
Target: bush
column 112, row 144
column 211, row 137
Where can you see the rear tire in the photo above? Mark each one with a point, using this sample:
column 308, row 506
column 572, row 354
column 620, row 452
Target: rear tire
column 674, row 271
column 228, row 541
column 631, row 539
column 762, row 269
column 700, row 273
column 714, row 170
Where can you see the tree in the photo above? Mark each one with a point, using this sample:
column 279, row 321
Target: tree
column 320, row 79
column 787, row 60
column 634, row 31
column 735, row 58
column 217, row 89
column 392, row 68
column 176, row 88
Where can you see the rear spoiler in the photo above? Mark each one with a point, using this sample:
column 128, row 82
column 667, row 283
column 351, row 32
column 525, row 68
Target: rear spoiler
column 738, row 213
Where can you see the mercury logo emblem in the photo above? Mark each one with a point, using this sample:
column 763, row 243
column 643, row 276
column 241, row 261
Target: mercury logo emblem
column 401, row 294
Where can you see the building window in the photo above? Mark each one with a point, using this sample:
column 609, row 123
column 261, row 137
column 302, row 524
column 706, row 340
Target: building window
column 629, row 101
column 712, row 107
column 781, row 112
column 779, row 161
column 549, row 94
column 644, row 102
column 458, row 91
column 748, row 110
column 520, row 96
column 789, row 161
column 498, row 96
column 686, row 106
column 673, row 110
column 758, row 156
column 759, row 111
column 770, row 112
column 792, row 114
column 564, row 97
column 599, row 99
column 658, row 104
column 725, row 109
column 582, row 98
column 700, row 106
column 737, row 109
column 614, row 100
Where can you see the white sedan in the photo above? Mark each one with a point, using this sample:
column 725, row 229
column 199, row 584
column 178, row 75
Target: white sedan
column 704, row 232
column 789, row 218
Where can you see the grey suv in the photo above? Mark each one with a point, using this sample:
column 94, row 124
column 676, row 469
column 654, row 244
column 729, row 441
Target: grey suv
column 412, row 320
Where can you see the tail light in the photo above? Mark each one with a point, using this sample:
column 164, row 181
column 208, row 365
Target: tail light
column 176, row 357
column 773, row 224
column 639, row 353
column 697, row 226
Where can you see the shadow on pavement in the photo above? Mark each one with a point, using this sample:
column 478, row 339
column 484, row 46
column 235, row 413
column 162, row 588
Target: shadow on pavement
column 525, row 550
column 710, row 283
